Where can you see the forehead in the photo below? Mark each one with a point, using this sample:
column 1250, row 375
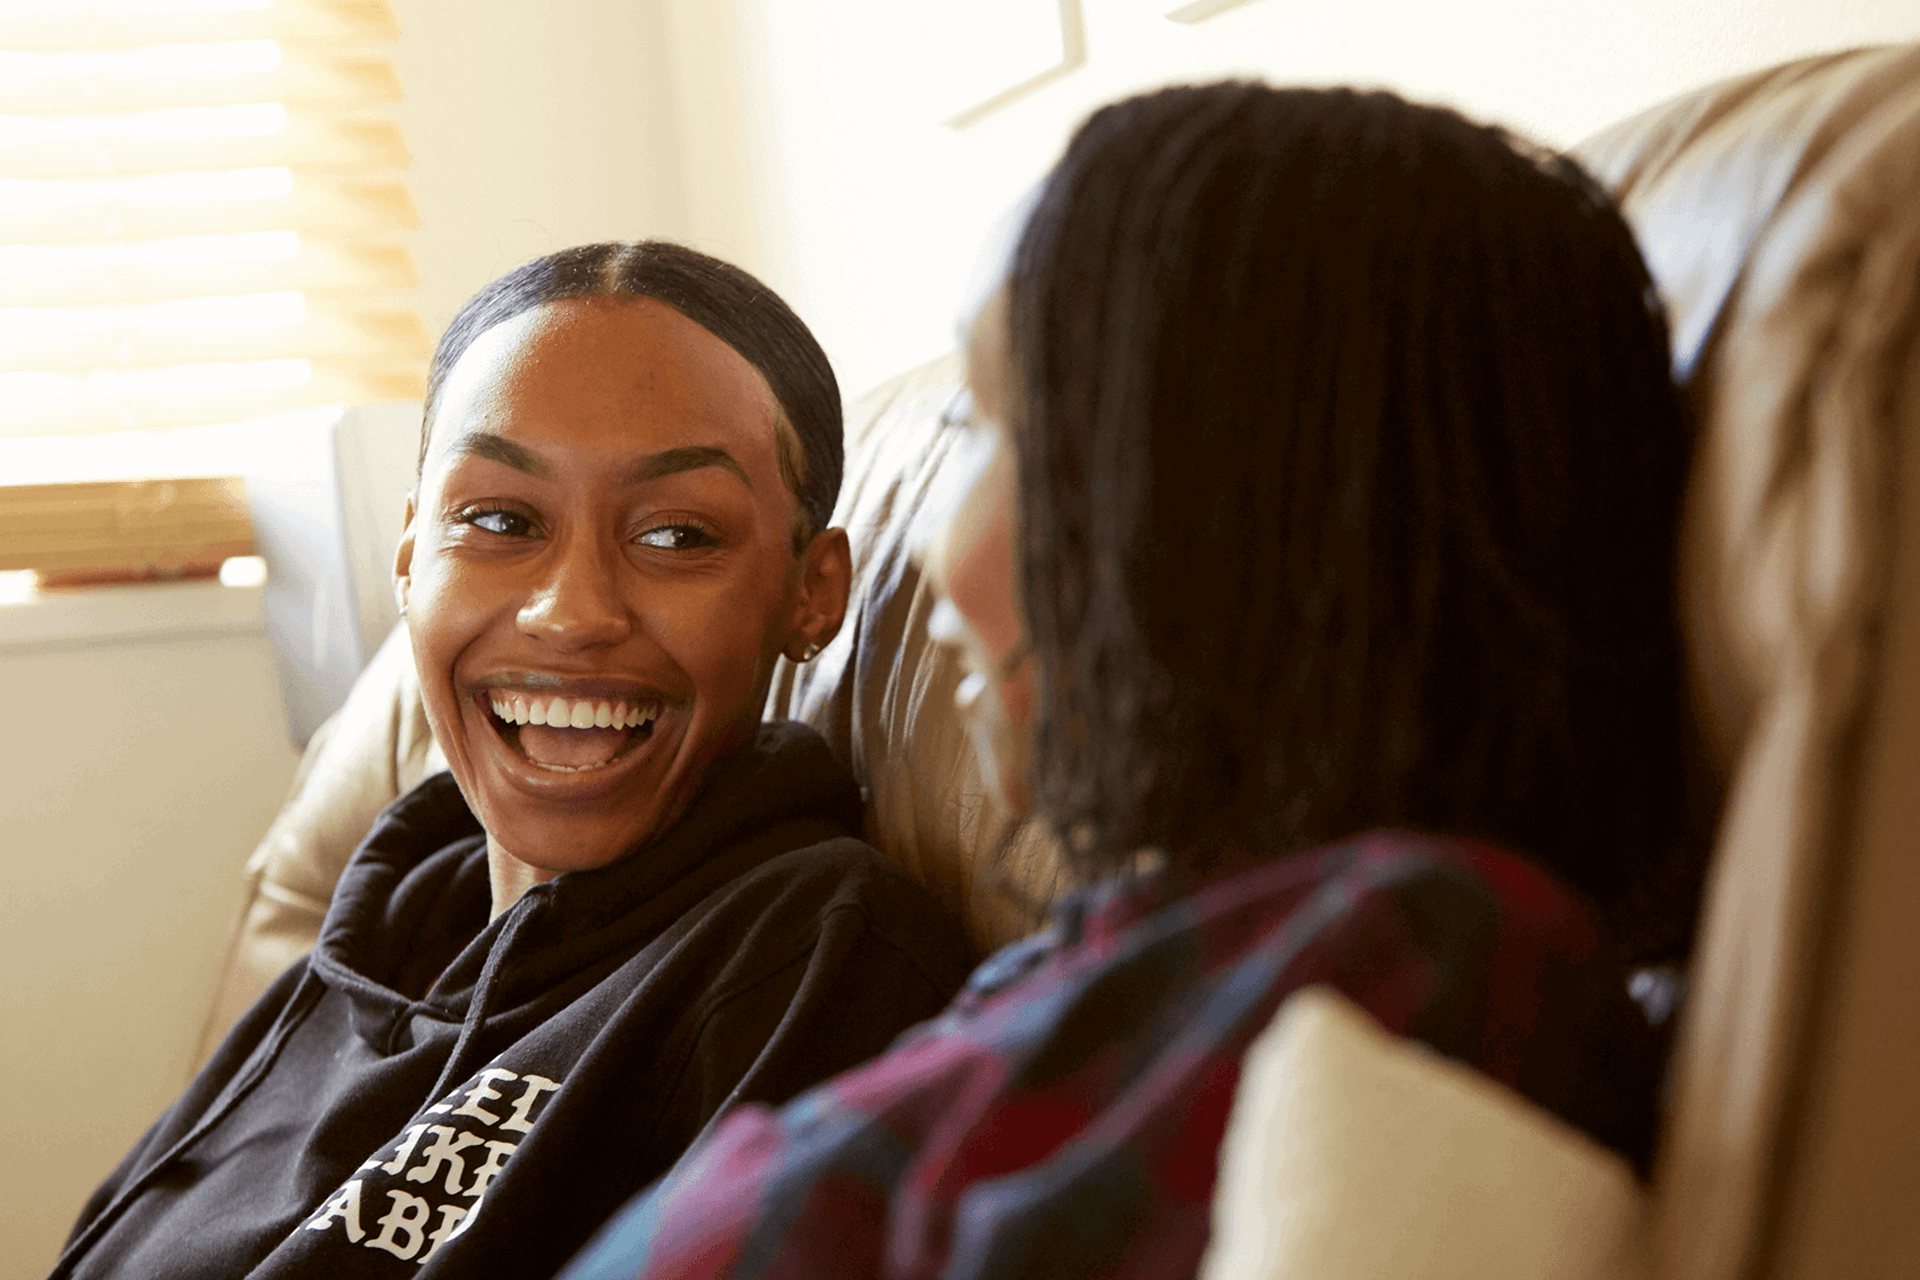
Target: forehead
column 989, row 375
column 977, row 482
column 622, row 376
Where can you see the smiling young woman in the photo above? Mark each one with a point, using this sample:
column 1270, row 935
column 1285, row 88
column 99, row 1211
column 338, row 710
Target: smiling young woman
column 602, row 530
column 630, row 903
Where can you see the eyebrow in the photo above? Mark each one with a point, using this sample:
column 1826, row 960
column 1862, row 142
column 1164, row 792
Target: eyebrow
column 687, row 458
column 485, row 444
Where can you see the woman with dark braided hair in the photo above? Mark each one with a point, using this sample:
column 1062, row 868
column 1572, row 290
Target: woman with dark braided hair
column 1320, row 596
column 1355, row 470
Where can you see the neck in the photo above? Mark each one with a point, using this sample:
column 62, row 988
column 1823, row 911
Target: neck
column 509, row 877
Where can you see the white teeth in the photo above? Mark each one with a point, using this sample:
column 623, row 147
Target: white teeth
column 582, row 714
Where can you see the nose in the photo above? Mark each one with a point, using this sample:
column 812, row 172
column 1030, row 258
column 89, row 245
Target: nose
column 580, row 603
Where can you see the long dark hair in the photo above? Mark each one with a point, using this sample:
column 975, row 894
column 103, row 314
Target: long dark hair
column 727, row 302
column 1351, row 471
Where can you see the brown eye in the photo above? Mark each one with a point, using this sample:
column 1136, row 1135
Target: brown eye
column 676, row 537
column 510, row 524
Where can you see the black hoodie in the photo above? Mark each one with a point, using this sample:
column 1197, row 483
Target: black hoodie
column 432, row 1094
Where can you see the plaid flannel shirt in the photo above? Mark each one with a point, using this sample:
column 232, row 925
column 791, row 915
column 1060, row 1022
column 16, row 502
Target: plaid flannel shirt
column 1062, row 1117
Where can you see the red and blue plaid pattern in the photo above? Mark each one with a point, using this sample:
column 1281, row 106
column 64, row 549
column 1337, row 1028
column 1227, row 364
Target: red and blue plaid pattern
column 1062, row 1117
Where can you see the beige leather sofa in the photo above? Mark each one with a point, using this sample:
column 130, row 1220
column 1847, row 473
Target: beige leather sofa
column 1781, row 215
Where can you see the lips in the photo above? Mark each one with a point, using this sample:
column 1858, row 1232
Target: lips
column 571, row 735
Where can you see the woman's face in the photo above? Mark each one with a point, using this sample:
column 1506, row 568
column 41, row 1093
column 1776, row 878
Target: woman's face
column 970, row 563
column 599, row 571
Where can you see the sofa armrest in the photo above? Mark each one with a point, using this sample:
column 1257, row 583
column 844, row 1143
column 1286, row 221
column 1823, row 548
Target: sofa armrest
column 375, row 748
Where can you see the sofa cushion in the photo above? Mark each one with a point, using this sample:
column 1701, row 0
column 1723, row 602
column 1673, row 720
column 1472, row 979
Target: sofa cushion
column 374, row 749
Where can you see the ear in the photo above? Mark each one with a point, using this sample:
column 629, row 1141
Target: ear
column 826, row 580
column 403, row 561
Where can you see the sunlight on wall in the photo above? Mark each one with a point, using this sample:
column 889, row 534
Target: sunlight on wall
column 865, row 211
column 535, row 127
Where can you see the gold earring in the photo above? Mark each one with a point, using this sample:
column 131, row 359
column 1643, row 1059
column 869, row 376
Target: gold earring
column 809, row 653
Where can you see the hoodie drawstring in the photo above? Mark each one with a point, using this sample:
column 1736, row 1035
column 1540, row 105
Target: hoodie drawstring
column 483, row 994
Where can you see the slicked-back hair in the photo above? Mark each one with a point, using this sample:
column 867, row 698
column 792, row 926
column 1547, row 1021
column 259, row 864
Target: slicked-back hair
column 1351, row 469
column 727, row 302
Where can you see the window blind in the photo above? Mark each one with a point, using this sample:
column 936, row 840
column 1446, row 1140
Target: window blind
column 202, row 205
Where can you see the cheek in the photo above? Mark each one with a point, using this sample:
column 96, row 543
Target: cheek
column 448, row 603
column 724, row 634
column 440, row 627
column 980, row 584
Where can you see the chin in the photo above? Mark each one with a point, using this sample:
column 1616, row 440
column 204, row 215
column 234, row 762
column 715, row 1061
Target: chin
column 1003, row 757
column 554, row 845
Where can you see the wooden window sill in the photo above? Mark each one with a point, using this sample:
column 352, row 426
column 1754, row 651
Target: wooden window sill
column 148, row 611
column 124, row 531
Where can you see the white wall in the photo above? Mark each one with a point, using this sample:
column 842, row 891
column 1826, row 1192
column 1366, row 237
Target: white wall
column 534, row 125
column 795, row 136
column 865, row 210
column 145, row 753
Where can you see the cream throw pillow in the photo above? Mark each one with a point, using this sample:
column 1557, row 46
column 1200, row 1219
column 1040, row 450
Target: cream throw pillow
column 1354, row 1155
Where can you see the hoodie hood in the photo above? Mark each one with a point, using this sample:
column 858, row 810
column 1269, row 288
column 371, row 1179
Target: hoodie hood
column 407, row 933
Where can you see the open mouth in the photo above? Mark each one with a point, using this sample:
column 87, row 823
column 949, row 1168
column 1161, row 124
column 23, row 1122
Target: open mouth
column 571, row 735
